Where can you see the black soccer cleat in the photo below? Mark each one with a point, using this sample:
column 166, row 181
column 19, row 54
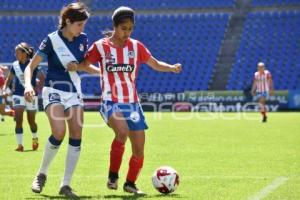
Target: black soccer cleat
column 38, row 183
column 264, row 119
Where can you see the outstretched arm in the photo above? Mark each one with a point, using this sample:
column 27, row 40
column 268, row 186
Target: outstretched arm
column 29, row 91
column 85, row 66
column 253, row 88
column 164, row 67
column 271, row 86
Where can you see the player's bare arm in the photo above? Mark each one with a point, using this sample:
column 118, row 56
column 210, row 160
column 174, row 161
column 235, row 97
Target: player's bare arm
column 85, row 66
column 271, row 87
column 6, row 83
column 29, row 91
column 253, row 88
column 164, row 67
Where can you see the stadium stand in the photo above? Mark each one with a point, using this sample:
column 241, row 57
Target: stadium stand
column 32, row 5
column 275, row 2
column 274, row 39
column 193, row 40
column 162, row 4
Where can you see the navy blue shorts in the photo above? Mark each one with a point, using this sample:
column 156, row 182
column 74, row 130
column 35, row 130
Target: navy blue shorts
column 132, row 113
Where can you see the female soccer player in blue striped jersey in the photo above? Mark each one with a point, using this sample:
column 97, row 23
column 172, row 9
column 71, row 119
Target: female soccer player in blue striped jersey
column 61, row 94
column 23, row 53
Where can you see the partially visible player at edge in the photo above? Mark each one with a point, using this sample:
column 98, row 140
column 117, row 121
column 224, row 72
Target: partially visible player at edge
column 62, row 98
column 24, row 53
column 262, row 87
column 119, row 57
column 3, row 111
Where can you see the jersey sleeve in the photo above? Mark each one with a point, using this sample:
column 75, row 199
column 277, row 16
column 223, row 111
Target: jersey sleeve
column 12, row 71
column 93, row 54
column 45, row 48
column 269, row 76
column 144, row 54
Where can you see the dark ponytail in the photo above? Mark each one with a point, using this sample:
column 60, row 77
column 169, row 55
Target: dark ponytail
column 31, row 52
column 26, row 48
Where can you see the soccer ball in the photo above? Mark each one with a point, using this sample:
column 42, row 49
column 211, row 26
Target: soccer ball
column 165, row 179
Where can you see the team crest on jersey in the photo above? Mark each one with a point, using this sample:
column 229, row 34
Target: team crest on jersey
column 81, row 47
column 54, row 97
column 131, row 54
column 109, row 58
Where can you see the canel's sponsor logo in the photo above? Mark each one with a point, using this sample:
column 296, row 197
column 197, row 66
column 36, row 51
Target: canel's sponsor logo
column 119, row 68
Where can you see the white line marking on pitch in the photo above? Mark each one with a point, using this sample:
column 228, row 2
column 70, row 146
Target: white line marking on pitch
column 269, row 188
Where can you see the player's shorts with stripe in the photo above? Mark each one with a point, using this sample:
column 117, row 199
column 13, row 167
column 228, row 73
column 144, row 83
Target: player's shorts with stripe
column 67, row 99
column 19, row 101
column 132, row 112
column 261, row 94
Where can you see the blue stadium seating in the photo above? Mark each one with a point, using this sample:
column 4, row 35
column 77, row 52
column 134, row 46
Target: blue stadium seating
column 33, row 5
column 162, row 4
column 274, row 39
column 274, row 2
column 194, row 40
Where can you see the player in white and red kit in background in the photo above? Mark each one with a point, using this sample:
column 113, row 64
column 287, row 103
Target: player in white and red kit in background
column 3, row 94
column 262, row 87
column 120, row 57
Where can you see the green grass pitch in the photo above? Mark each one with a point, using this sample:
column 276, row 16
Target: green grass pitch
column 218, row 156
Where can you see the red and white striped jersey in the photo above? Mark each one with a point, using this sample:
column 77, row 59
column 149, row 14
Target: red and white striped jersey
column 119, row 68
column 262, row 81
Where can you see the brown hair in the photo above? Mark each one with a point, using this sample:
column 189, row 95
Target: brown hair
column 74, row 12
column 26, row 48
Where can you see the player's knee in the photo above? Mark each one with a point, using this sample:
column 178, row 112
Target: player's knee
column 122, row 135
column 59, row 133
column 138, row 152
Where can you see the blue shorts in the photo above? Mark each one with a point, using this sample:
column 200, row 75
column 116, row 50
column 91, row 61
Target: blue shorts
column 258, row 95
column 132, row 113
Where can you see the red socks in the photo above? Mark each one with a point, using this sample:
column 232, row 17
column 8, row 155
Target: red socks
column 135, row 166
column 116, row 154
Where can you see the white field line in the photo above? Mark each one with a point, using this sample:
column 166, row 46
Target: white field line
column 269, row 188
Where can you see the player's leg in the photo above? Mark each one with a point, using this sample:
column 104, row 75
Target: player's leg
column 263, row 110
column 19, row 110
column 137, row 139
column 33, row 127
column 56, row 116
column 31, row 108
column 117, row 122
column 74, row 117
column 3, row 111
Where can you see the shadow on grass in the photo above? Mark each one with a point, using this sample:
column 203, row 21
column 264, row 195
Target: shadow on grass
column 44, row 196
column 123, row 197
column 128, row 197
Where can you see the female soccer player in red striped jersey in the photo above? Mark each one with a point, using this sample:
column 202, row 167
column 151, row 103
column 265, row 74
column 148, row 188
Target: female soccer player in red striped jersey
column 119, row 57
column 262, row 87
